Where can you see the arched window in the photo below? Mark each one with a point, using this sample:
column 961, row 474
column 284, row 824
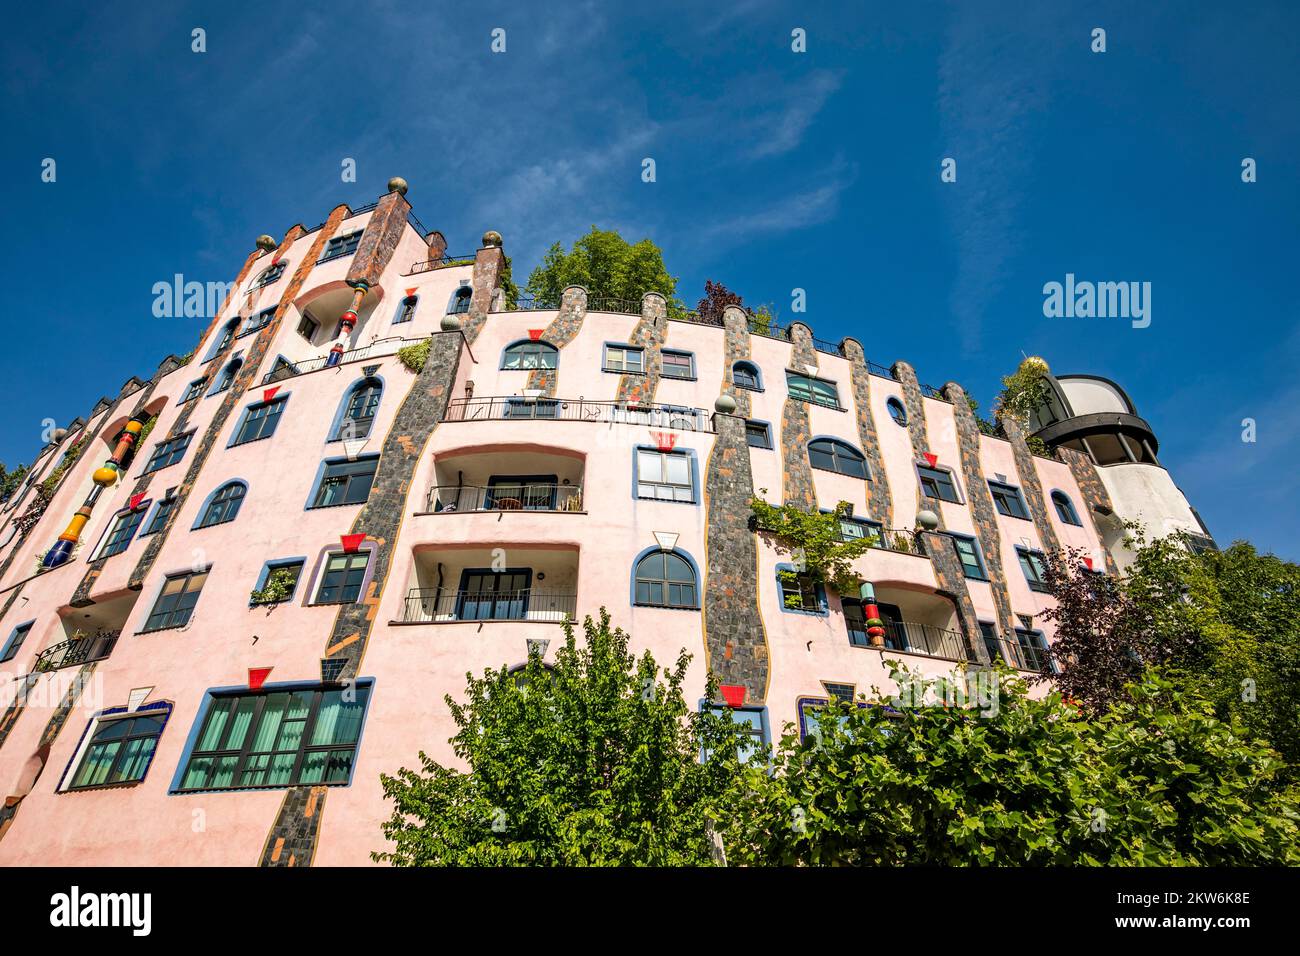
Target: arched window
column 224, row 505
column 227, row 377
column 227, row 334
column 529, row 354
column 666, row 579
column 831, row 455
column 359, row 409
column 746, row 375
column 897, row 412
column 1065, row 508
column 406, row 309
column 460, row 300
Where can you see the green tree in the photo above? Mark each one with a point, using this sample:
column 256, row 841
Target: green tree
column 596, row 761
column 607, row 266
column 1156, row 781
column 10, row 480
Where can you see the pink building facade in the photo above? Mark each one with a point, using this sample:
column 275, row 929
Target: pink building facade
column 268, row 599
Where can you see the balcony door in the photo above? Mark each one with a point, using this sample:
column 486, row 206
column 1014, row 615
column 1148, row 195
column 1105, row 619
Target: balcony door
column 521, row 492
column 487, row 595
column 895, row 631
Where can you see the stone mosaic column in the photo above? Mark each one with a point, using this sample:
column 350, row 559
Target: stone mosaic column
column 796, row 472
column 649, row 334
column 562, row 330
column 879, row 500
column 1031, row 486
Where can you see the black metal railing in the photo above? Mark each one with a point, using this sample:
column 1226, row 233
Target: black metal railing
column 379, row 347
column 690, row 315
column 626, row 306
column 830, row 348
column 1025, row 657
column 876, row 369
column 768, row 330
column 929, row 391
column 78, row 650
column 501, row 408
column 441, row 262
column 503, row 497
column 528, row 303
column 914, row 638
column 427, row 605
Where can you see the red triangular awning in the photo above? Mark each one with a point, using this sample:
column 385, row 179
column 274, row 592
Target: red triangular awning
column 134, row 501
column 351, row 542
column 733, row 694
column 269, row 393
column 931, row 459
column 535, row 334
column 257, row 676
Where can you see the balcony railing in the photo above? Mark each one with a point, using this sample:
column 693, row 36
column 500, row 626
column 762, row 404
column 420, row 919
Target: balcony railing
column 529, row 497
column 1025, row 657
column 444, row 262
column 431, row 606
column 578, row 410
column 379, row 347
column 78, row 650
column 914, row 638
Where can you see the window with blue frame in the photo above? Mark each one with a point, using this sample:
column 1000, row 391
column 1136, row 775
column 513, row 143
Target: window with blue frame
column 227, row 377
column 345, row 482
column 194, row 390
column 664, row 475
column 758, row 434
column 260, row 420
column 800, row 591
column 340, row 246
column 15, row 642
column 993, row 646
column 625, row 359
column 968, row 552
column 746, row 375
column 270, row 274
column 161, row 512
column 938, row 483
column 362, row 404
column 666, row 579
column 528, row 355
column 1033, row 564
column 1008, row 500
column 1065, row 509
column 406, row 309
column 287, row 572
column 277, row 738
column 257, row 321
column 176, row 601
column 120, row 748
column 897, row 412
column 460, row 300
column 124, row 529
column 818, row 391
column 168, row 452
column 675, row 364
column 227, row 336
column 224, row 505
column 856, row 529
column 753, row 720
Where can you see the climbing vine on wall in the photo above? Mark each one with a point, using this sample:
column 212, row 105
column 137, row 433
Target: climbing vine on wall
column 815, row 540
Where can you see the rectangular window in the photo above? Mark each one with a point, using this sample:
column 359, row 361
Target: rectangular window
column 160, row 515
column 124, row 530
column 524, row 408
column 283, row 576
column 340, row 246
column 194, row 390
column 678, row 365
column 758, row 434
column 176, row 602
column 1031, row 562
column 989, row 632
column 853, row 529
column 120, row 750
column 1008, row 500
column 307, row 327
column 341, row 581
column 487, row 595
column 968, row 552
column 15, row 642
column 168, row 452
column 816, row 390
column 751, row 719
column 799, row 592
column 1032, row 647
column 407, row 311
column 278, row 739
column 255, row 322
column 260, row 420
column 937, row 483
column 345, row 482
column 664, row 475
column 524, row 493
column 620, row 358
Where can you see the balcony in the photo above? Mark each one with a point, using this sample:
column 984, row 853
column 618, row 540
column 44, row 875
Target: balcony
column 534, row 583
column 530, row 408
column 911, row 637
column 521, row 496
column 76, row 651
column 425, row 606
column 915, row 621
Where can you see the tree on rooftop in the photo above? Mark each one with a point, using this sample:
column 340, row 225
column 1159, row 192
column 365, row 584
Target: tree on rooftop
column 607, row 266
column 716, row 299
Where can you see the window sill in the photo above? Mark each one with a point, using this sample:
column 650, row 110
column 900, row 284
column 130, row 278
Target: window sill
column 809, row 401
column 338, row 504
column 666, row 501
column 159, row 630
column 665, row 607
column 249, row 441
column 121, row 784
column 329, row 603
column 620, row 371
column 278, row 786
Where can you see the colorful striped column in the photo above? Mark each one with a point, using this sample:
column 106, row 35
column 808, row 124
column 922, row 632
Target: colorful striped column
column 347, row 322
column 104, row 477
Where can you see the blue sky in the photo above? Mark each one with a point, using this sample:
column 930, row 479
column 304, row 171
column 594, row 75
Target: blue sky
column 775, row 170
